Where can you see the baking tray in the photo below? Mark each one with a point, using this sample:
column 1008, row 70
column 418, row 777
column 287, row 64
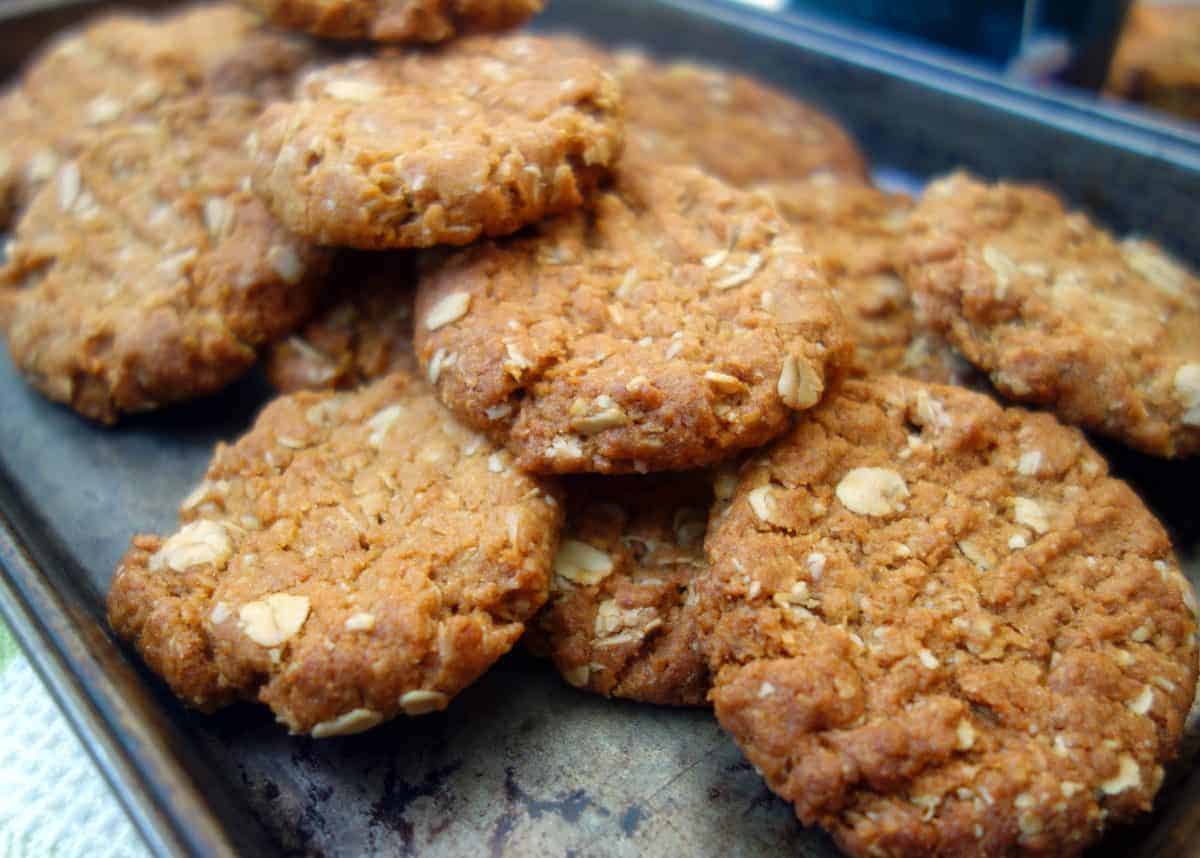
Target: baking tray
column 522, row 764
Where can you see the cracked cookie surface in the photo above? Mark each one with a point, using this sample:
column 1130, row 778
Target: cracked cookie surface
column 121, row 68
column 361, row 331
column 732, row 126
column 668, row 326
column 475, row 139
column 620, row 620
column 858, row 233
column 1060, row 313
column 937, row 626
column 354, row 557
column 146, row 273
column 396, row 20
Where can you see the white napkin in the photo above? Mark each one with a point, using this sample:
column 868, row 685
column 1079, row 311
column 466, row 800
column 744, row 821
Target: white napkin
column 53, row 802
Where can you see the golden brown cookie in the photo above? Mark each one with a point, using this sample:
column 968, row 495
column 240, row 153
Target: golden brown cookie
column 858, row 232
column 396, row 20
column 736, row 128
column 1158, row 58
column 361, row 331
column 1060, row 313
column 354, row 557
column 410, row 150
column 120, row 68
column 146, row 272
column 938, row 627
column 672, row 324
column 620, row 620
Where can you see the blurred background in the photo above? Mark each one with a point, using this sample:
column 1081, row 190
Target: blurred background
column 1076, row 42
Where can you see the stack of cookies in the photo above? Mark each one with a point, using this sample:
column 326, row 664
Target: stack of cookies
column 630, row 360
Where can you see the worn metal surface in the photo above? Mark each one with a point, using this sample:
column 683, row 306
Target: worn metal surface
column 520, row 764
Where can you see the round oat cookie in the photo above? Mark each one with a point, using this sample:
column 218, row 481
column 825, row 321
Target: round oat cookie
column 620, row 620
column 410, row 150
column 938, row 627
column 858, row 232
column 146, row 272
column 734, row 127
column 396, row 20
column 1060, row 313
column 361, row 331
column 670, row 325
column 121, row 68
column 354, row 557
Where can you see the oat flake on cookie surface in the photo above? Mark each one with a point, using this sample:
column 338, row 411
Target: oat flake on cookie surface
column 146, row 272
column 1060, row 313
column 478, row 138
column 396, row 20
column 620, row 620
column 668, row 326
column 119, row 68
column 353, row 557
column 938, row 627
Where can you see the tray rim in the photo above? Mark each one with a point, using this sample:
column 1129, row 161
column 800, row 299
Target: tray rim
column 158, row 792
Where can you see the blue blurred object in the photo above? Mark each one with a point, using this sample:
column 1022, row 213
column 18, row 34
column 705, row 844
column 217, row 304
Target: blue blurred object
column 1071, row 41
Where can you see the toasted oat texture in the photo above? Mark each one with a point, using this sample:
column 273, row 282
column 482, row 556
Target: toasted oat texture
column 396, row 20
column 145, row 273
column 938, row 627
column 1060, row 313
column 120, row 68
column 732, row 126
column 354, row 557
column 620, row 621
column 858, row 232
column 670, row 325
column 362, row 330
column 1158, row 58
column 411, row 150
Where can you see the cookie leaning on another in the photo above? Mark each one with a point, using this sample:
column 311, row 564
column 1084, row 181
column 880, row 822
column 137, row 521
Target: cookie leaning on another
column 937, row 626
column 478, row 138
column 858, row 232
column 1060, row 313
column 673, row 323
column 147, row 273
column 352, row 558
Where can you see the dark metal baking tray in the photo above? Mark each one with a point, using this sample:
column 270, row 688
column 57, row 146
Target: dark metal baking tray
column 521, row 764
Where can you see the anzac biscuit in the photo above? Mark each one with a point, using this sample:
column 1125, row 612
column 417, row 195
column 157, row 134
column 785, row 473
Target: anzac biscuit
column 362, row 331
column 858, row 232
column 620, row 620
column 411, row 150
column 672, row 324
column 1060, row 313
column 354, row 557
column 396, row 20
column 1158, row 58
column 146, row 272
column 121, row 68
column 938, row 627
column 734, row 127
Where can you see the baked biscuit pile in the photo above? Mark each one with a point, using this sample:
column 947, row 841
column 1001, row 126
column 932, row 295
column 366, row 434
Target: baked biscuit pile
column 632, row 360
